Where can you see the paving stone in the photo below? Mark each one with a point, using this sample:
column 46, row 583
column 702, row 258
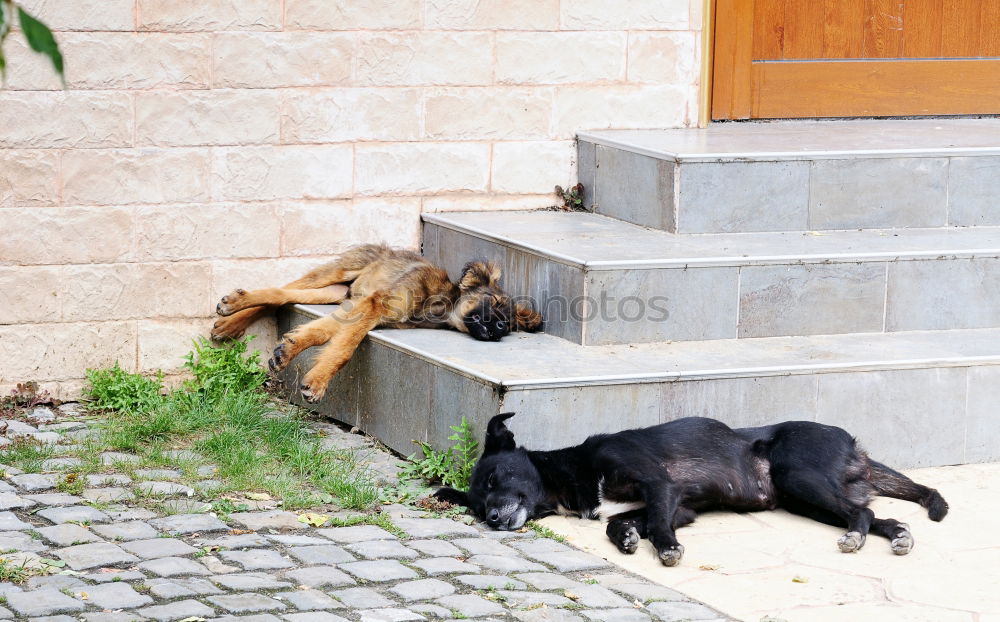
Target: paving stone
column 670, row 611
column 111, row 616
column 246, row 602
column 173, row 567
column 10, row 522
column 123, row 514
column 54, row 619
column 598, row 597
column 423, row 589
column 17, row 428
column 208, row 485
column 206, row 470
column 444, row 565
column 84, row 556
column 535, row 546
column 104, row 576
column 54, row 498
column 40, row 414
column 115, row 457
column 429, row 610
column 109, row 479
column 382, row 549
column 388, row 615
column 435, row 548
column 572, row 561
column 502, row 563
column 108, row 495
column 310, row 600
column 159, row 547
column 9, row 471
column 274, row 519
column 165, row 488
column 315, row 616
column 545, row 614
column 116, row 596
column 481, row 546
column 63, row 426
column 433, row 527
column 488, row 581
column 59, row 582
column 134, row 530
column 319, row 576
column 616, row 615
column 379, row 571
column 5, row 487
column 358, row 533
column 255, row 559
column 647, row 591
column 8, row 588
column 548, row 581
column 179, row 588
column 185, row 505
column 291, row 539
column 177, row 610
column 189, row 523
column 10, row 501
column 184, row 455
column 470, row 605
column 250, row 581
column 358, row 597
column 158, row 474
column 215, row 565
column 43, row 602
column 60, row 464
column 68, row 534
column 328, row 554
column 242, row 541
column 19, row 541
column 74, row 514
column 260, row 617
column 46, row 438
column 521, row 599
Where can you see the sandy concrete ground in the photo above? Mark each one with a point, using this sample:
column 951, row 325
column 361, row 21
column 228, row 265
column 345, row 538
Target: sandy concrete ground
column 774, row 564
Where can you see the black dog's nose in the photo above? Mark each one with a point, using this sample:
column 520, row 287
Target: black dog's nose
column 493, row 517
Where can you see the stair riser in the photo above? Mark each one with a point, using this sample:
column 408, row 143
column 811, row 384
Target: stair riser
column 605, row 307
column 789, row 195
column 905, row 417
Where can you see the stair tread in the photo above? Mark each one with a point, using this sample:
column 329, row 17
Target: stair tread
column 800, row 140
column 539, row 360
column 593, row 241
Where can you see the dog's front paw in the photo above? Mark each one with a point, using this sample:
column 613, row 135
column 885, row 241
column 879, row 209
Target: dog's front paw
column 628, row 541
column 313, row 387
column 227, row 328
column 230, row 302
column 851, row 542
column 671, row 555
column 902, row 541
column 281, row 356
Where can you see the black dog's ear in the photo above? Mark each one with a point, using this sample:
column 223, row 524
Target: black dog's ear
column 452, row 496
column 478, row 274
column 498, row 437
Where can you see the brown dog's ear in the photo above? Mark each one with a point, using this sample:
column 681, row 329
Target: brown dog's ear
column 479, row 273
column 452, row 496
column 526, row 319
column 498, row 437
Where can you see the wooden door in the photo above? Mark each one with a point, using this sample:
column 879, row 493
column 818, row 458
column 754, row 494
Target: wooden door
column 848, row 58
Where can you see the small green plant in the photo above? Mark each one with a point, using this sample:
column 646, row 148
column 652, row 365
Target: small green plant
column 452, row 467
column 224, row 369
column 544, row 532
column 13, row 573
column 71, row 484
column 378, row 519
column 24, row 396
column 26, row 453
column 572, row 197
column 123, row 392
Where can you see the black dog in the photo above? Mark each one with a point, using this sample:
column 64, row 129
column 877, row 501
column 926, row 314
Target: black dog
column 675, row 470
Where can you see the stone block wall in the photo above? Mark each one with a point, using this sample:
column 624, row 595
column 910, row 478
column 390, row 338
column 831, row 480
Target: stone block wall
column 201, row 146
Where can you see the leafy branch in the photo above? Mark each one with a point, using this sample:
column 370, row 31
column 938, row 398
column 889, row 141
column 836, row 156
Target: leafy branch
column 38, row 35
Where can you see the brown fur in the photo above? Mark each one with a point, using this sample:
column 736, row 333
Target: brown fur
column 387, row 288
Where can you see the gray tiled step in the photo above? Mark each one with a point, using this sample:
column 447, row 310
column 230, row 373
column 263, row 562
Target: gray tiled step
column 795, row 175
column 914, row 398
column 601, row 281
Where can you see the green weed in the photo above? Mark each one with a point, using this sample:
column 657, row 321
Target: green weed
column 452, row 467
column 544, row 532
column 26, row 453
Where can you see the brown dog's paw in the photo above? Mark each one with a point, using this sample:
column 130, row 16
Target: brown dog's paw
column 230, row 302
column 227, row 329
column 312, row 393
column 671, row 556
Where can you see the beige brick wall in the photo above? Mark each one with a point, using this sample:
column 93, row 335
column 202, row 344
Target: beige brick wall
column 206, row 145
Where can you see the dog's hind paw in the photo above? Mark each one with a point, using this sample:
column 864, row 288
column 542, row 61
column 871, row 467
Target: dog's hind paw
column 851, row 542
column 312, row 393
column 227, row 328
column 902, row 542
column 627, row 540
column 671, row 556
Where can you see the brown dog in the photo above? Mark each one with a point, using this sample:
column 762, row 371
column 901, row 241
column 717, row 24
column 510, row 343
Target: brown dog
column 387, row 288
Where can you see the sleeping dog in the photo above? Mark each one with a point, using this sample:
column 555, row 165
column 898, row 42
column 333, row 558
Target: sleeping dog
column 671, row 472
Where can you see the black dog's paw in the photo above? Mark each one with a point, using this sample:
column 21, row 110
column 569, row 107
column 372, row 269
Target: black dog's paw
column 902, row 541
column 671, row 555
column 624, row 535
column 851, row 542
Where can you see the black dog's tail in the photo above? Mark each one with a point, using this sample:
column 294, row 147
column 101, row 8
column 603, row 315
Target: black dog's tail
column 891, row 483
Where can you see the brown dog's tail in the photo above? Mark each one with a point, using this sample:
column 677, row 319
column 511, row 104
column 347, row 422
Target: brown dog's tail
column 892, row 483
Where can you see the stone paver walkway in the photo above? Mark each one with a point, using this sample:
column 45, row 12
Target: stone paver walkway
column 104, row 558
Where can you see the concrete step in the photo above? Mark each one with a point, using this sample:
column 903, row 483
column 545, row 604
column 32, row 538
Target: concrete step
column 914, row 399
column 602, row 281
column 796, row 175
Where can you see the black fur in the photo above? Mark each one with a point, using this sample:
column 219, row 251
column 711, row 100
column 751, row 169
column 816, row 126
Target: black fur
column 676, row 470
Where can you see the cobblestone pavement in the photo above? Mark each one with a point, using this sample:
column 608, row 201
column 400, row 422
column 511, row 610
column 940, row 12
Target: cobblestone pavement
column 102, row 556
